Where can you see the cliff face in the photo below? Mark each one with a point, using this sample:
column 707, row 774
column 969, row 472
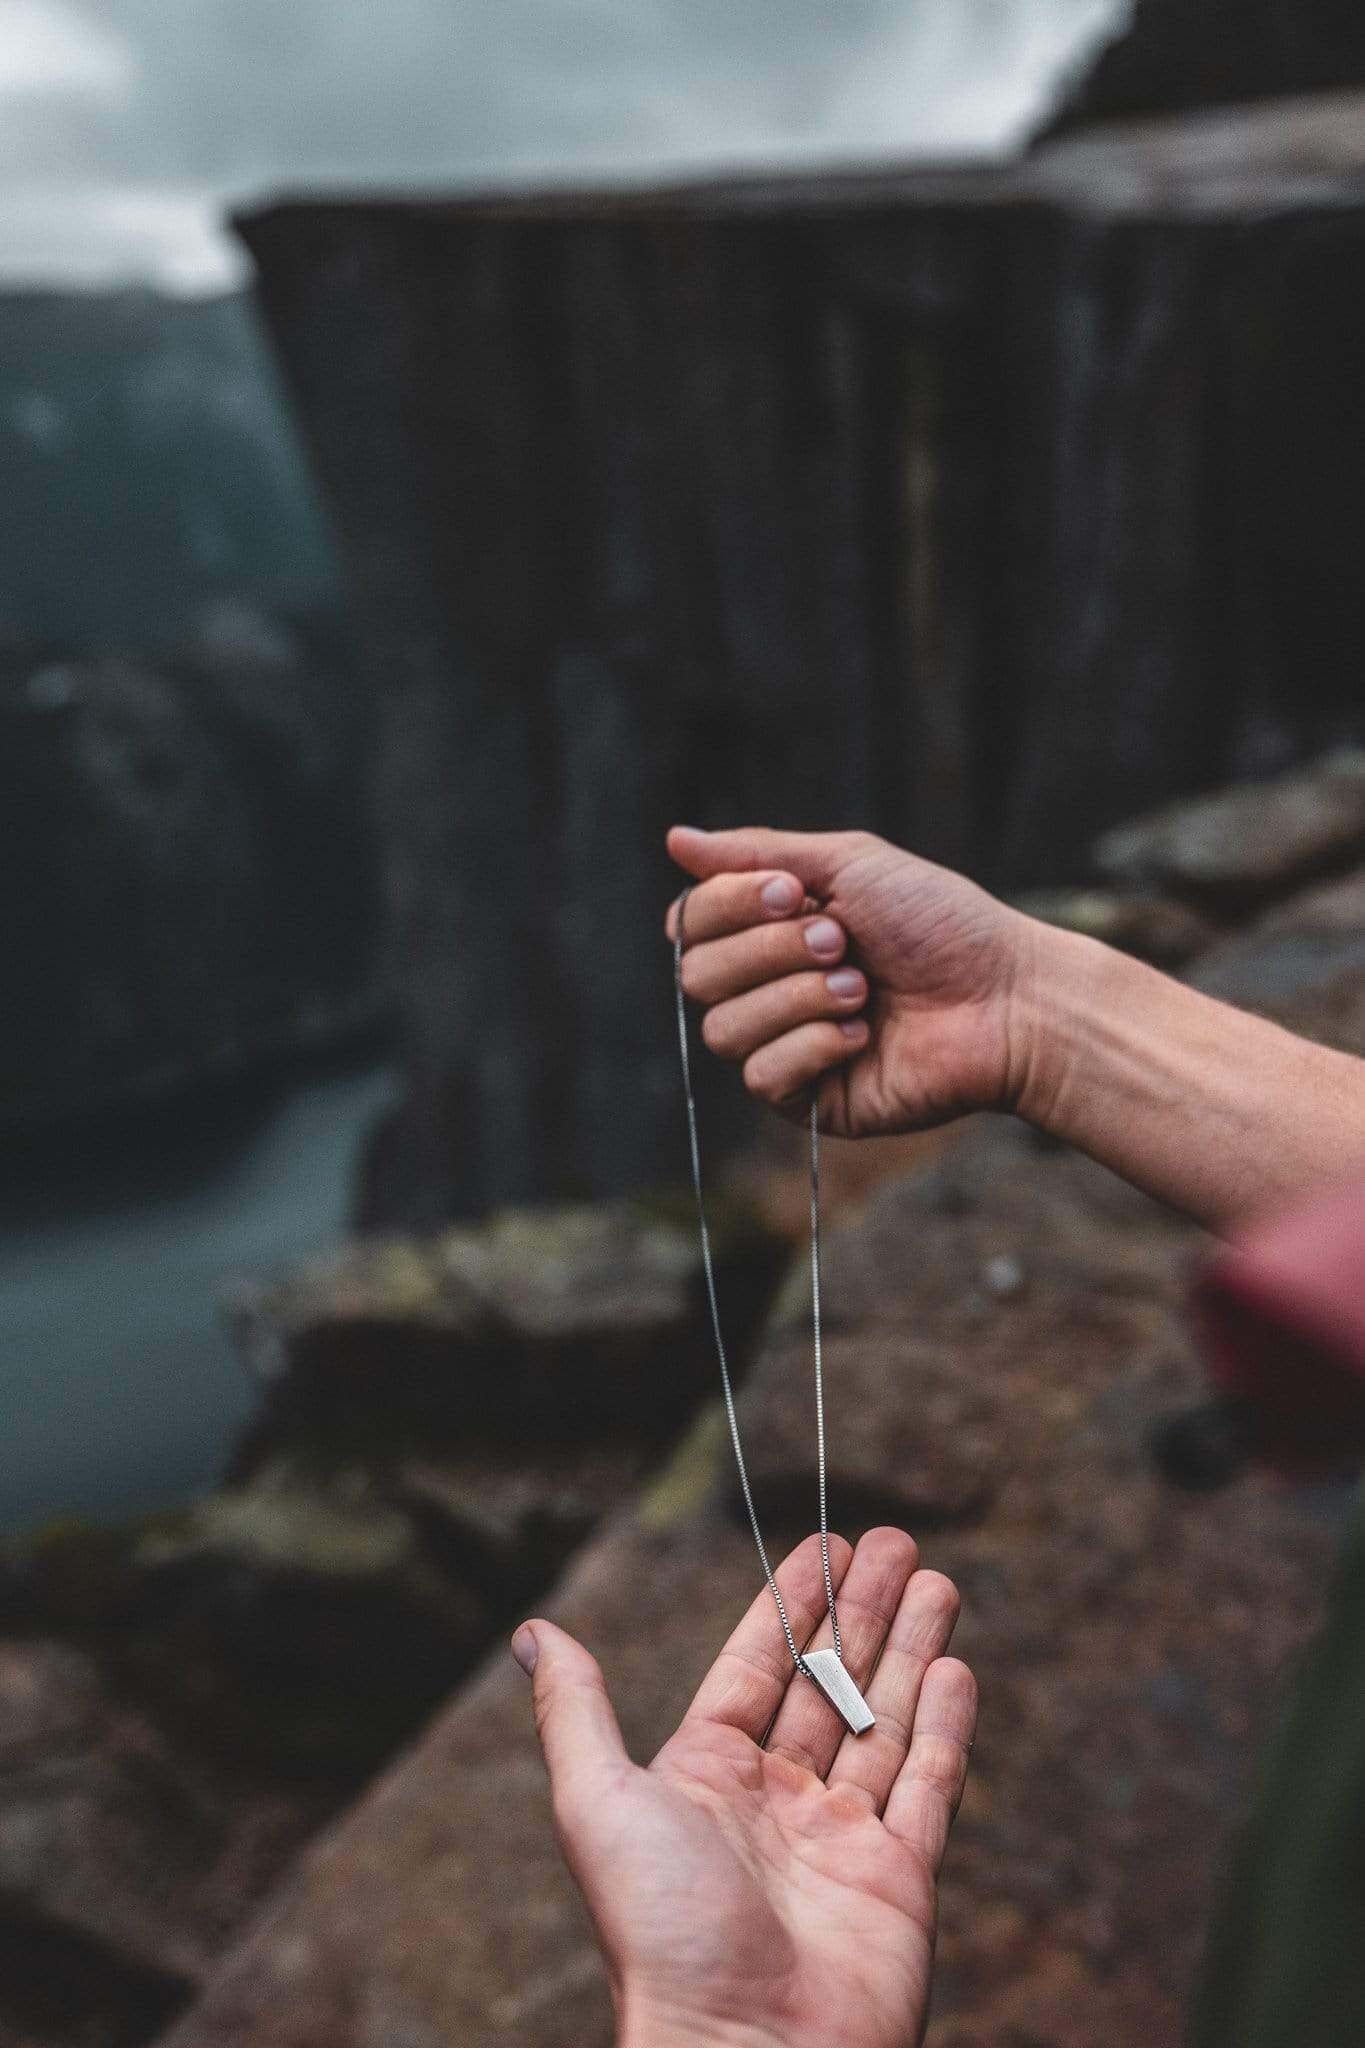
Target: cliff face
column 614, row 508
column 1176, row 55
column 188, row 872
column 983, row 510
column 188, row 878
column 150, row 467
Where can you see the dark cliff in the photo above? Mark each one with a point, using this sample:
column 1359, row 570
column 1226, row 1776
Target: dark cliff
column 982, row 509
column 151, row 470
column 188, row 883
column 1180, row 54
column 187, row 887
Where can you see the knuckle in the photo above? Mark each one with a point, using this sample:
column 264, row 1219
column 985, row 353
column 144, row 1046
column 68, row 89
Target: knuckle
column 793, row 1751
column 799, row 999
column 939, row 1594
column 895, row 1729
column 714, row 1031
column 942, row 1766
column 963, row 1677
column 850, row 1802
column 758, row 1078
column 566, row 1803
column 964, row 1691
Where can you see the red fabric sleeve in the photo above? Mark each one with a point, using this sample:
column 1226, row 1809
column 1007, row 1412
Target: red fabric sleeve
column 1281, row 1317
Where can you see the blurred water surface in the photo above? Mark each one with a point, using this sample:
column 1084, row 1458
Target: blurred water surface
column 120, row 1391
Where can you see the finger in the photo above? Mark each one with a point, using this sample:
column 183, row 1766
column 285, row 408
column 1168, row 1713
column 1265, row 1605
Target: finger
column 717, row 969
column 920, row 1633
column 731, row 903
column 807, row 1729
column 794, row 1063
column 574, row 1717
column 735, row 1029
column 925, row 1797
column 814, row 857
column 745, row 1686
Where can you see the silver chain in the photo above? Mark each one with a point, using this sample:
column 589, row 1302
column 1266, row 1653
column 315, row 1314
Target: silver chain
column 708, row 1267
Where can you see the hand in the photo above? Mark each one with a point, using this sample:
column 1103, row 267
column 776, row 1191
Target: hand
column 926, row 1022
column 778, row 1892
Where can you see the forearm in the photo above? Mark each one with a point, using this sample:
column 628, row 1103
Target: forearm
column 1215, row 1111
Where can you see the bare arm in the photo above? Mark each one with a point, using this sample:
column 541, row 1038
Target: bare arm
column 931, row 999
column 1213, row 1110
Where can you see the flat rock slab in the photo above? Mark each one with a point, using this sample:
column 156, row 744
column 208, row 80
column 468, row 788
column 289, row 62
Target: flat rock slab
column 1291, row 960
column 538, row 1325
column 117, row 1855
column 1129, row 1644
column 439, row 1910
column 1248, row 844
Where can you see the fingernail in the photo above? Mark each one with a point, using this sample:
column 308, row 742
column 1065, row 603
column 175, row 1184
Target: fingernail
column 824, row 936
column 782, row 893
column 700, row 830
column 845, row 981
column 853, row 1027
column 524, row 1649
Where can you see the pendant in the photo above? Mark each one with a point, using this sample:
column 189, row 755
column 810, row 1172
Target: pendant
column 843, row 1695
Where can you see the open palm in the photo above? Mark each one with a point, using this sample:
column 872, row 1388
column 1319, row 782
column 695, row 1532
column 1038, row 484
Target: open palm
column 770, row 1878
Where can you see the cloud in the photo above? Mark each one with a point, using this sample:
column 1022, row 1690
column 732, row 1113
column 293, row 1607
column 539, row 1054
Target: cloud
column 100, row 237
column 968, row 77
column 222, row 100
column 49, row 47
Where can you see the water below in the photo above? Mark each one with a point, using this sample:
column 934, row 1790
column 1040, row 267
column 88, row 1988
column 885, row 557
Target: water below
column 120, row 1390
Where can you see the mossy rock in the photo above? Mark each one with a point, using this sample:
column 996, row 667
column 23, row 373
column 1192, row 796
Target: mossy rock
column 553, row 1323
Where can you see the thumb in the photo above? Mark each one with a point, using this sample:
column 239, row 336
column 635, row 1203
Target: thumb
column 574, row 1718
column 815, row 858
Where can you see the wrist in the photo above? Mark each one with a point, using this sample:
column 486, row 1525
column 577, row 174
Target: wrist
column 1066, row 985
column 649, row 2023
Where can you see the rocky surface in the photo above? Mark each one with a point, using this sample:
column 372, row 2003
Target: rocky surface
column 125, row 1858
column 1303, row 961
column 189, row 882
column 1245, row 846
column 1003, row 1338
column 185, row 1700
column 452, row 1424
column 1176, row 55
column 538, row 1323
column 1006, row 1344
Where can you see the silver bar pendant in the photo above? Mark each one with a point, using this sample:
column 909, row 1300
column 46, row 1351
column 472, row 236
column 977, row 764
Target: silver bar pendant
column 839, row 1689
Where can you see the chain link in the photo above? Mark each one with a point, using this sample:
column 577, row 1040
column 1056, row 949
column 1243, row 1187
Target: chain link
column 708, row 1267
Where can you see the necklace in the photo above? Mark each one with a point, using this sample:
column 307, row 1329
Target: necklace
column 824, row 1668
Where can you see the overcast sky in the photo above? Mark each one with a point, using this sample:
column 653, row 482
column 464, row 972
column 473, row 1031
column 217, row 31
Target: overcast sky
column 125, row 125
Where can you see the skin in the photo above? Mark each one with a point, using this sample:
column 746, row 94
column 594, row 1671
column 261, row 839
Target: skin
column 965, row 1004
column 769, row 1881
